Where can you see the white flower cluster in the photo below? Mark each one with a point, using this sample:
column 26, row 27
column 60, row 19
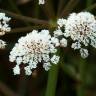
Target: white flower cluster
column 59, row 39
column 4, row 27
column 61, row 22
column 41, row 2
column 2, row 44
column 32, row 49
column 81, row 27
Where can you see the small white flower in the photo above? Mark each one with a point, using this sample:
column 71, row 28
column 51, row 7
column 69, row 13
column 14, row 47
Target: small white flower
column 63, row 42
column 55, row 41
column 2, row 44
column 41, row 2
column 28, row 70
column 32, row 64
column 46, row 57
column 4, row 27
column 61, row 22
column 47, row 66
column 53, row 49
column 59, row 39
column 55, row 59
column 76, row 45
column 32, row 49
column 84, row 53
column 57, row 33
column 19, row 60
column 16, row 70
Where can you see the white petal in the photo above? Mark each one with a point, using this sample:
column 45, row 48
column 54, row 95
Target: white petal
column 84, row 53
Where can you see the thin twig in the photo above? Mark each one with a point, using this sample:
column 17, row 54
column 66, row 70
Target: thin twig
column 60, row 5
column 6, row 91
column 82, row 72
column 26, row 29
column 36, row 9
column 69, row 7
column 48, row 9
column 25, row 18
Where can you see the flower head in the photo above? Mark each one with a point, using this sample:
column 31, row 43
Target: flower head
column 41, row 2
column 59, row 40
column 32, row 49
column 81, row 28
column 4, row 27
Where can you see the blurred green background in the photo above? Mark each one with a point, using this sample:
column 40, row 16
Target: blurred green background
column 69, row 74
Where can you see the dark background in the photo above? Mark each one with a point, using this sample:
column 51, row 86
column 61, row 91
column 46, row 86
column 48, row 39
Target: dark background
column 35, row 85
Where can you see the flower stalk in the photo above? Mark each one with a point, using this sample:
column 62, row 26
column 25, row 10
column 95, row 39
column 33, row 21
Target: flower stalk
column 52, row 81
column 81, row 85
column 52, row 78
column 25, row 18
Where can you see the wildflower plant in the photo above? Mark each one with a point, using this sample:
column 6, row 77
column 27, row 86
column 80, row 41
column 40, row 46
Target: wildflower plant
column 41, row 1
column 34, row 48
column 47, row 42
column 81, row 28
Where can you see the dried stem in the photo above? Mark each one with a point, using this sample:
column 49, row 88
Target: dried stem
column 52, row 79
column 6, row 91
column 25, row 18
column 48, row 9
column 26, row 29
column 69, row 7
column 60, row 6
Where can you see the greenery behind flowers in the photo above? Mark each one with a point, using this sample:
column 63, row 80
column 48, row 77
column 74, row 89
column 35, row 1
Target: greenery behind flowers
column 75, row 76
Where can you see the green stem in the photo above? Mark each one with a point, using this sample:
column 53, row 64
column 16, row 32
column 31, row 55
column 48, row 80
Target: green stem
column 52, row 81
column 81, row 85
column 36, row 9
